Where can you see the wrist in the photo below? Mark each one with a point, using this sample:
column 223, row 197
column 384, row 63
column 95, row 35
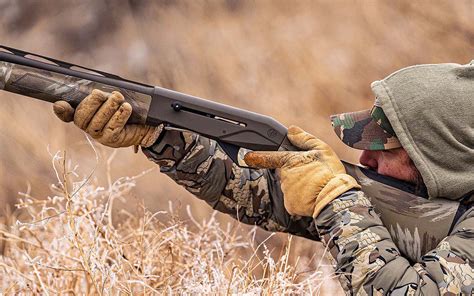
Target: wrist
column 338, row 185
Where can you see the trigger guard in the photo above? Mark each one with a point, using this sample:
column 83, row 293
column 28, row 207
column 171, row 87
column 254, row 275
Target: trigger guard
column 235, row 153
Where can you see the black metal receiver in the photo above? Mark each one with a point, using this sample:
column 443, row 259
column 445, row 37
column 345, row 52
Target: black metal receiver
column 51, row 80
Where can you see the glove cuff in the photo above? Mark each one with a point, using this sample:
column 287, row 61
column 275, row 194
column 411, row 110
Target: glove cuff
column 151, row 136
column 335, row 187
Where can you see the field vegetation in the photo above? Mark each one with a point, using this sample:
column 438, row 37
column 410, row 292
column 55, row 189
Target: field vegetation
column 297, row 61
column 71, row 243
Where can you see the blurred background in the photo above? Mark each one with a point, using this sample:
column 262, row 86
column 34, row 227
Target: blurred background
column 297, row 61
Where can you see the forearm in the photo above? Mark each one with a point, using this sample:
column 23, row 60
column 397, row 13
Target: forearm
column 251, row 196
column 369, row 262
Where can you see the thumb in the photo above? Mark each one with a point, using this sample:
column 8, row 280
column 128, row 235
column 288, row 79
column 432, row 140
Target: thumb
column 267, row 159
column 64, row 111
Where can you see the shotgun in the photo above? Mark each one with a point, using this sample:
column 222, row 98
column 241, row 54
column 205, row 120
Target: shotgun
column 417, row 224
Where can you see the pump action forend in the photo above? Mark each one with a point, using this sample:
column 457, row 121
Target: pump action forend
column 51, row 80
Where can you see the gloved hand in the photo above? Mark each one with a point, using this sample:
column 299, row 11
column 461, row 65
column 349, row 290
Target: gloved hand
column 311, row 178
column 104, row 117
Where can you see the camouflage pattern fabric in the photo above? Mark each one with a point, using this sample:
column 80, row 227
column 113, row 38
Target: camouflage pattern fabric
column 366, row 258
column 365, row 130
column 251, row 196
column 416, row 224
column 369, row 263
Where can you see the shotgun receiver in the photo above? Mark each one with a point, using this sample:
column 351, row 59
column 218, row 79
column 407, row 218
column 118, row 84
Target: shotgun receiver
column 417, row 224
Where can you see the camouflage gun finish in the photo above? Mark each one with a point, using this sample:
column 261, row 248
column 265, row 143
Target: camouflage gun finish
column 51, row 87
column 416, row 223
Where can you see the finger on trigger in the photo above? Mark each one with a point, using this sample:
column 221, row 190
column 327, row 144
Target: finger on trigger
column 88, row 107
column 117, row 123
column 63, row 111
column 104, row 114
column 266, row 160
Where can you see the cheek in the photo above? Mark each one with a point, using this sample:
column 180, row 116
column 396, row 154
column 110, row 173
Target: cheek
column 386, row 168
column 395, row 167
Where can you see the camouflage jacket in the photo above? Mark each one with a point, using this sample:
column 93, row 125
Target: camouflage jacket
column 365, row 256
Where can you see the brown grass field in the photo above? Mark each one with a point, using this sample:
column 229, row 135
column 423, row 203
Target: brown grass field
column 297, row 61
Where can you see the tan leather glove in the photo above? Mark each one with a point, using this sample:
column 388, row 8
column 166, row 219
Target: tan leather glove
column 104, row 117
column 311, row 178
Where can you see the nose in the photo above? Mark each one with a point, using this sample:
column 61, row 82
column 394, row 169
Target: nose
column 369, row 158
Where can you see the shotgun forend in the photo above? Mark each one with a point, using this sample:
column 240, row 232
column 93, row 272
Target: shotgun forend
column 51, row 80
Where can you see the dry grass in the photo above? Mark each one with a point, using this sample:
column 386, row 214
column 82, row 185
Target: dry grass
column 71, row 243
column 298, row 61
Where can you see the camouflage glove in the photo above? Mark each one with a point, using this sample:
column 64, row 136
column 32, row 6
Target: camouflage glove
column 310, row 179
column 104, row 117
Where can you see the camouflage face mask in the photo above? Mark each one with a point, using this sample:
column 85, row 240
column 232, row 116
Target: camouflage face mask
column 366, row 130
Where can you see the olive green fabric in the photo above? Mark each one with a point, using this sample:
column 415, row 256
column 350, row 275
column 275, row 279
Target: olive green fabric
column 431, row 109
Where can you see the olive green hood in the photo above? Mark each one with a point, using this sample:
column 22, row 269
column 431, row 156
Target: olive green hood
column 431, row 109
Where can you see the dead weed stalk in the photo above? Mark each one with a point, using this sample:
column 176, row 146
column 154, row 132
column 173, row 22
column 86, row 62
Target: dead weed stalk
column 67, row 243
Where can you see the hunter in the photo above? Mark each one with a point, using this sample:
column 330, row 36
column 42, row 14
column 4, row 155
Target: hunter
column 420, row 130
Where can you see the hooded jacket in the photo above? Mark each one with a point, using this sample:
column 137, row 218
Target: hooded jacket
column 431, row 109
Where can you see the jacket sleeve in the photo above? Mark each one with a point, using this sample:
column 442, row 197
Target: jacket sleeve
column 368, row 262
column 249, row 195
